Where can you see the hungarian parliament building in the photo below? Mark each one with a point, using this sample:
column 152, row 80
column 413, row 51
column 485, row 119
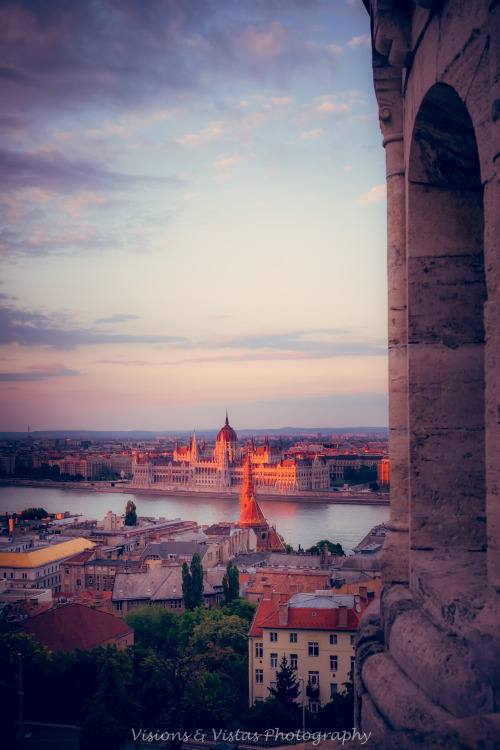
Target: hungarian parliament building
column 192, row 467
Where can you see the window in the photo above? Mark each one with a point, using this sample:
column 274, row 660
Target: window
column 273, row 637
column 259, row 676
column 24, row 575
column 313, row 706
column 293, row 637
column 78, row 581
column 119, row 606
column 353, row 660
column 353, row 638
column 258, row 650
column 313, row 648
column 334, row 663
column 274, row 661
column 333, row 689
column 333, row 639
column 313, row 678
column 293, row 661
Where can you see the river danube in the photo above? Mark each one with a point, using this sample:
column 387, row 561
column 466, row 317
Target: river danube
column 299, row 523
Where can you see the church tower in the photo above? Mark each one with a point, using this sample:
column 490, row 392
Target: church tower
column 252, row 516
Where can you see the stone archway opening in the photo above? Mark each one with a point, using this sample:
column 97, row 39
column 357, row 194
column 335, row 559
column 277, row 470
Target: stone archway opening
column 446, row 297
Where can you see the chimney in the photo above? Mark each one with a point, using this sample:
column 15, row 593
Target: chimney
column 283, row 613
column 266, row 591
column 342, row 617
column 362, row 592
column 275, row 596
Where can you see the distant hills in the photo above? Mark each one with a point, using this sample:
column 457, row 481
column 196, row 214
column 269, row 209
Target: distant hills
column 151, row 435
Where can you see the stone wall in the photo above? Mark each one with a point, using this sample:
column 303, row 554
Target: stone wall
column 428, row 660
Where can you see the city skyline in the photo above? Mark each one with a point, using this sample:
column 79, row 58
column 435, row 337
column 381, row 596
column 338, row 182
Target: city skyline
column 193, row 212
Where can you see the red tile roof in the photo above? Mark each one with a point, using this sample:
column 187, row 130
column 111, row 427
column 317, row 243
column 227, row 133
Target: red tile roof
column 300, row 618
column 265, row 610
column 76, row 626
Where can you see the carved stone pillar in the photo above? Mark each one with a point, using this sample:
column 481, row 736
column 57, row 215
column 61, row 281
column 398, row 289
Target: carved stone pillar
column 395, row 554
column 492, row 307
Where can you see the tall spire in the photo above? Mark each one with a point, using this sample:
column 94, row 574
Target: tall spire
column 251, row 513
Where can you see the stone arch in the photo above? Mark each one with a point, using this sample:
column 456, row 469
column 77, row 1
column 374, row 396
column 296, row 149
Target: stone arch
column 446, row 339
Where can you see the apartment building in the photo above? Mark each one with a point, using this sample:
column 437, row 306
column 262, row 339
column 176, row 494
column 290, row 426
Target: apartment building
column 40, row 568
column 315, row 631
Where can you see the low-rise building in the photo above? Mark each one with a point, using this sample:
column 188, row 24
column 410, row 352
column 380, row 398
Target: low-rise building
column 89, row 570
column 18, row 604
column 288, row 582
column 316, row 634
column 178, row 552
column 40, row 568
column 160, row 584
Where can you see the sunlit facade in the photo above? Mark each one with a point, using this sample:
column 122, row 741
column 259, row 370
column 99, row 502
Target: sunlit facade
column 192, row 467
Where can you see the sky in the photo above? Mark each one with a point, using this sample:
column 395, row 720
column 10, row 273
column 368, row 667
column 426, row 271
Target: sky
column 193, row 216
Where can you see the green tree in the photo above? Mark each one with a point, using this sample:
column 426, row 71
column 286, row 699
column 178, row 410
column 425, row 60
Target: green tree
column 331, row 547
column 33, row 514
column 231, row 583
column 240, row 608
column 271, row 713
column 155, row 628
column 287, row 686
column 360, row 476
column 218, row 649
column 191, row 618
column 130, row 514
column 336, row 716
column 111, row 711
column 20, row 651
column 192, row 583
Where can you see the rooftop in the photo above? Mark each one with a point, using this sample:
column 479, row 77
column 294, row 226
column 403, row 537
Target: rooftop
column 303, row 617
column 45, row 556
column 74, row 626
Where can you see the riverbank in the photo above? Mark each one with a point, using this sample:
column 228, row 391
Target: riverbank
column 336, row 498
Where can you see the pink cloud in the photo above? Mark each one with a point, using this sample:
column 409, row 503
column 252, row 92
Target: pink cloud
column 375, row 195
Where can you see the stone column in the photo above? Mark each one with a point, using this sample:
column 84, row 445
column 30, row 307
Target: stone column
column 395, row 555
column 492, row 307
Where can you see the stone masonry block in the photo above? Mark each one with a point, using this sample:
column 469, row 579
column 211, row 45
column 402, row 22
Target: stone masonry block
column 439, row 664
column 397, row 698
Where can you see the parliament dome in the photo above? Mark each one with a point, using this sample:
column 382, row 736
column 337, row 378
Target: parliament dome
column 227, row 434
